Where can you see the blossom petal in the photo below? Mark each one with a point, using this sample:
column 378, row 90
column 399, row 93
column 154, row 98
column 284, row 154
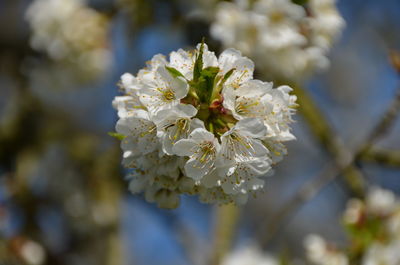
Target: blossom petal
column 184, row 147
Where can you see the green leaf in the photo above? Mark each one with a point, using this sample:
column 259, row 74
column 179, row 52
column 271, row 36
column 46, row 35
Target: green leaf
column 198, row 64
column 300, row 2
column 117, row 135
column 205, row 84
column 175, row 73
column 210, row 72
column 228, row 74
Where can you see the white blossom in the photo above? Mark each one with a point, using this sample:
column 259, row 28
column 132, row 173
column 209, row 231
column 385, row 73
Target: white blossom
column 250, row 100
column 286, row 40
column 72, row 34
column 374, row 223
column 320, row 253
column 201, row 125
column 380, row 201
column 243, row 67
column 183, row 61
column 249, row 255
column 383, row 254
column 242, row 143
column 140, row 133
column 176, row 124
column 201, row 147
column 162, row 91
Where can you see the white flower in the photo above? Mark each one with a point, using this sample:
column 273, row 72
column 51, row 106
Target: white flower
column 249, row 100
column 176, row 124
column 281, row 109
column 243, row 67
column 380, row 201
column 163, row 91
column 147, row 74
column 283, row 18
column 354, row 211
column 183, row 61
column 202, row 148
column 164, row 198
column 245, row 177
column 325, row 21
column 237, row 27
column 381, row 254
column 256, row 99
column 242, row 144
column 140, row 132
column 157, row 164
column 130, row 103
column 129, row 83
column 277, row 150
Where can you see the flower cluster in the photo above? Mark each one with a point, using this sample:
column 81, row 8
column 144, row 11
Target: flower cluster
column 71, row 34
column 198, row 124
column 374, row 228
column 286, row 39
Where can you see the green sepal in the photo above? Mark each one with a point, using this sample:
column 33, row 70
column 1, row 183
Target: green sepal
column 117, row 135
column 175, row 73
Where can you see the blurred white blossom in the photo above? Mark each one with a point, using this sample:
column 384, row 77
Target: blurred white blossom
column 383, row 254
column 32, row 253
column 286, row 40
column 249, row 255
column 198, row 124
column 71, row 34
column 319, row 252
column 374, row 226
column 381, row 202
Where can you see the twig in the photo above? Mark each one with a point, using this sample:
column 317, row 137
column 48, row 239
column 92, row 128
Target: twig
column 382, row 157
column 224, row 231
column 329, row 140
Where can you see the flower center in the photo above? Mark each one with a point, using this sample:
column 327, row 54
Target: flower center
column 244, row 104
column 149, row 131
column 182, row 126
column 207, row 150
column 276, row 16
column 167, row 94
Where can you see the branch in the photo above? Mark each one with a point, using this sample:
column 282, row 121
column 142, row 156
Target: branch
column 224, row 231
column 342, row 164
column 327, row 137
column 383, row 157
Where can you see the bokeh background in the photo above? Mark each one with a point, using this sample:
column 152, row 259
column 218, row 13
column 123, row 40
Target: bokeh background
column 63, row 199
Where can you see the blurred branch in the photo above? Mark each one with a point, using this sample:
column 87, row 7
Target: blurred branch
column 382, row 157
column 224, row 231
column 342, row 165
column 326, row 136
